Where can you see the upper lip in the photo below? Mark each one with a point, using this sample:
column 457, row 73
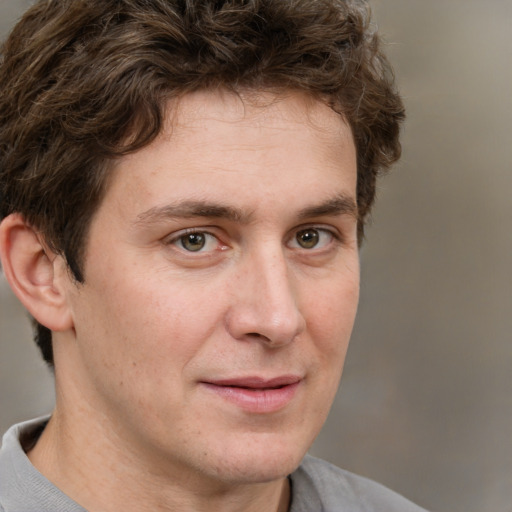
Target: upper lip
column 256, row 382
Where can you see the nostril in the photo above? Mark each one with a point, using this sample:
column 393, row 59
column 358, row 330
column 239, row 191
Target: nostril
column 257, row 335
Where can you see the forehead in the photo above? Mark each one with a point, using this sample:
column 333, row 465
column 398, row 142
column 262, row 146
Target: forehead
column 217, row 141
column 270, row 118
column 253, row 108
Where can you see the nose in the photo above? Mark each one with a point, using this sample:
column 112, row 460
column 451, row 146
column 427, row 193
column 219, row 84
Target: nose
column 264, row 305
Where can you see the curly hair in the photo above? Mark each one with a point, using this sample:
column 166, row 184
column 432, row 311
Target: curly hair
column 86, row 81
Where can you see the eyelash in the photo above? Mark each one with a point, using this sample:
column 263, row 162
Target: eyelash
column 178, row 239
column 322, row 231
column 181, row 236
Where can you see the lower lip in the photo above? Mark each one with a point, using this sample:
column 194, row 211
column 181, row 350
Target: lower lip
column 254, row 400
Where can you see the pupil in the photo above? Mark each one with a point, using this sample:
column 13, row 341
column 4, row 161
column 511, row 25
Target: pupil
column 308, row 238
column 193, row 242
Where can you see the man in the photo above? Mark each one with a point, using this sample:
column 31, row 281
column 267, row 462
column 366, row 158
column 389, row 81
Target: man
column 184, row 186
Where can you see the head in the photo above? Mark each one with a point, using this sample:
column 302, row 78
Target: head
column 184, row 187
column 85, row 82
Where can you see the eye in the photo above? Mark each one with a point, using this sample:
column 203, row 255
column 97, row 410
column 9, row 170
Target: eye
column 312, row 238
column 193, row 242
column 196, row 241
column 308, row 238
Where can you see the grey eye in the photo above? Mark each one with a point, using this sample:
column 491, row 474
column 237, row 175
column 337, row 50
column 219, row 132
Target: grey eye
column 308, row 238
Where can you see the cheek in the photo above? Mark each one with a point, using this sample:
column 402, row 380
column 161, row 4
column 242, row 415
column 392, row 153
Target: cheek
column 332, row 311
column 332, row 315
column 155, row 324
column 330, row 327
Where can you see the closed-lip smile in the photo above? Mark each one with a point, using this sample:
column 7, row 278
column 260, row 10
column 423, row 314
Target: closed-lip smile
column 256, row 394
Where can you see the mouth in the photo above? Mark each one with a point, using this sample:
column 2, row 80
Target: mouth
column 255, row 394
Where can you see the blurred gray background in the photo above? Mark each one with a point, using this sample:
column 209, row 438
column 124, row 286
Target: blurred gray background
column 425, row 405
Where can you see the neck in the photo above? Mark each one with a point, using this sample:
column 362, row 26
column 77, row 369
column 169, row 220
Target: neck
column 106, row 476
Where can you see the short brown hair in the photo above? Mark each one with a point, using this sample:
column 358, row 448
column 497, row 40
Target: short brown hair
column 85, row 81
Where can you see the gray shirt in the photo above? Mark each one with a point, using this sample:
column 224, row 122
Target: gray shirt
column 317, row 486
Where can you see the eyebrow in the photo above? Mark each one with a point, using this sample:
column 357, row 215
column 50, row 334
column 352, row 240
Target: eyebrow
column 189, row 209
column 338, row 205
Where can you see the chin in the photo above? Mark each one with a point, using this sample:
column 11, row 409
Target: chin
column 260, row 463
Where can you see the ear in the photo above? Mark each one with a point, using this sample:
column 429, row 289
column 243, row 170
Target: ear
column 37, row 276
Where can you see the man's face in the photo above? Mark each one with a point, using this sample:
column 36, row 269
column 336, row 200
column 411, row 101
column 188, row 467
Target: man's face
column 221, row 285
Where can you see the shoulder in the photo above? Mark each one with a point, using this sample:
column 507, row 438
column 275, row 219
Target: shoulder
column 320, row 486
column 22, row 487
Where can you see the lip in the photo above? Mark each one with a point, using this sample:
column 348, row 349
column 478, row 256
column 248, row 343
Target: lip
column 255, row 394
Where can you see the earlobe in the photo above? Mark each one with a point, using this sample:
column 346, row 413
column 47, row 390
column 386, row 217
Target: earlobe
column 36, row 275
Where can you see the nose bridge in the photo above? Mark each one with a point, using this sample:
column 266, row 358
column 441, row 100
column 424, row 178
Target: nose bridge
column 266, row 303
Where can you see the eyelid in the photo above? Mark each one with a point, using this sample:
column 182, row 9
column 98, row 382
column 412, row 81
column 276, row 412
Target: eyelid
column 322, row 228
column 174, row 238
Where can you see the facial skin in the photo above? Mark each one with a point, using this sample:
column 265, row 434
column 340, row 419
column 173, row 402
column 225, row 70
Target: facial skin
column 223, row 256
